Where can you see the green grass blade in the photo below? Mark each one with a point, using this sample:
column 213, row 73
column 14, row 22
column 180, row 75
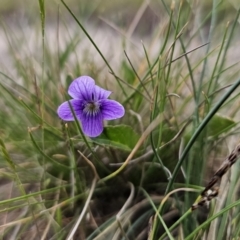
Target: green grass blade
column 199, row 130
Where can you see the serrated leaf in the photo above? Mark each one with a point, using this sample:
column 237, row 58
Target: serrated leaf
column 120, row 136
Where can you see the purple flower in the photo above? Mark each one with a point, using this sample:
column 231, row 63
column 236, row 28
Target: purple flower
column 90, row 105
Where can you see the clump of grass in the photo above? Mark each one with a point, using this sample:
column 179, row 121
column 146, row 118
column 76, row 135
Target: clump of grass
column 139, row 179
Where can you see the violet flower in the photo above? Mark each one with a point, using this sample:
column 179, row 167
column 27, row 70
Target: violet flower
column 90, row 105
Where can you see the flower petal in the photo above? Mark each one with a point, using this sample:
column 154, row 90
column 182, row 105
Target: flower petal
column 101, row 93
column 82, row 88
column 65, row 113
column 92, row 125
column 111, row 109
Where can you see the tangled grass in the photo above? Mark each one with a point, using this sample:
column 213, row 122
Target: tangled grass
column 175, row 68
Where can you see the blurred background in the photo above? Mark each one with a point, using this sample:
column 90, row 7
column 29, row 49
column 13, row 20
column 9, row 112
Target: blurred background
column 114, row 25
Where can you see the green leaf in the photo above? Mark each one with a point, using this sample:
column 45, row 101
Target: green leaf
column 120, row 136
column 219, row 125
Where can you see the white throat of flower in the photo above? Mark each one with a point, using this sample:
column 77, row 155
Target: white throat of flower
column 91, row 108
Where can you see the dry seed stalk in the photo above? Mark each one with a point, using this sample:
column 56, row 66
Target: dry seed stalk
column 211, row 190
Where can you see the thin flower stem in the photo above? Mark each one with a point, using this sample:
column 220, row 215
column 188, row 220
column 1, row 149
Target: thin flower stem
column 80, row 129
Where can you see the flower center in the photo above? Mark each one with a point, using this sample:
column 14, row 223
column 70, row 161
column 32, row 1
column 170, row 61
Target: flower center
column 91, row 108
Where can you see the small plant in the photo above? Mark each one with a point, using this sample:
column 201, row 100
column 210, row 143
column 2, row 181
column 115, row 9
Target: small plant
column 173, row 70
column 90, row 105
